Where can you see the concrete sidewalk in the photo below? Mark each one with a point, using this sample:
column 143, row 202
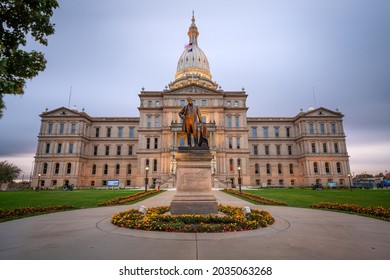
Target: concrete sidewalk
column 297, row 234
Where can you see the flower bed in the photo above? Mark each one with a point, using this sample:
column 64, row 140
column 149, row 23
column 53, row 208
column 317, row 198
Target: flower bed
column 379, row 211
column 156, row 219
column 26, row 211
column 128, row 199
column 255, row 198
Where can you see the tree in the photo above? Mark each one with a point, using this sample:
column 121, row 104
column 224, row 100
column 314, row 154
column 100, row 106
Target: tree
column 19, row 19
column 8, row 172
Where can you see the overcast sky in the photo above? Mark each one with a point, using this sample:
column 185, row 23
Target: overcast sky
column 106, row 51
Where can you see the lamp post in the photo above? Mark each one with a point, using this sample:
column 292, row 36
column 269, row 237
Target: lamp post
column 39, row 179
column 239, row 178
column 350, row 184
column 146, row 178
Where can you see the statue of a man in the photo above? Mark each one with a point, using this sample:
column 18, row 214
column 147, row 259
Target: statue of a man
column 190, row 115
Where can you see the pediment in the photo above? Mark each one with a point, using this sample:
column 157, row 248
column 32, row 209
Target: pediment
column 61, row 112
column 322, row 112
column 192, row 89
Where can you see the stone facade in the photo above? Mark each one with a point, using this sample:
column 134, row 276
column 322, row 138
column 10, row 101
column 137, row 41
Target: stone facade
column 86, row 151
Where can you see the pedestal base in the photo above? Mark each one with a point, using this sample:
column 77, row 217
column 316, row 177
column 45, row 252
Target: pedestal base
column 194, row 203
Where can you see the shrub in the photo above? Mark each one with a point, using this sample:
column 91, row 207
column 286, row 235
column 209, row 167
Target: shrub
column 378, row 211
column 26, row 211
column 128, row 199
column 255, row 198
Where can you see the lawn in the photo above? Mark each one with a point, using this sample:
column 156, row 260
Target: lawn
column 76, row 198
column 303, row 198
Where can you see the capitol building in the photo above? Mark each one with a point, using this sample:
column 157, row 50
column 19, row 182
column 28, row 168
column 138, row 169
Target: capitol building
column 86, row 151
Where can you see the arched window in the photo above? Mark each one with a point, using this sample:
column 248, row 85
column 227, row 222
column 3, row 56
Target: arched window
column 94, row 169
column 155, row 165
column 68, row 168
column 291, row 168
column 268, row 167
column 105, row 169
column 231, row 165
column 338, row 167
column 327, row 168
column 315, row 167
column 147, row 162
column 44, row 168
column 280, row 168
column 117, row 169
column 257, row 170
column 57, row 168
column 239, row 162
column 128, row 169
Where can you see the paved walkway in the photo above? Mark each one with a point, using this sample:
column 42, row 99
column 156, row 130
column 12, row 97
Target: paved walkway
column 301, row 234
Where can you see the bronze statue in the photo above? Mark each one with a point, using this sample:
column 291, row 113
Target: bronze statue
column 190, row 115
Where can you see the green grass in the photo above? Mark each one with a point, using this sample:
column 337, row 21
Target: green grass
column 303, row 198
column 76, row 198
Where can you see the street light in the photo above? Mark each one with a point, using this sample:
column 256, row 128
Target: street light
column 239, row 178
column 146, row 178
column 350, row 185
column 39, row 179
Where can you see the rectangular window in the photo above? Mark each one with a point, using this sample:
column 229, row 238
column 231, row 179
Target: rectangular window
column 107, row 152
column 289, row 150
column 155, row 165
column 130, row 151
column 156, row 121
column 182, row 102
column 235, row 103
column 117, row 169
column 128, row 169
column 97, row 131
column 95, row 150
column 276, row 131
column 322, row 128
column 313, row 147
column 311, row 128
column 229, row 121
column 204, row 102
column 278, row 150
column 73, row 128
column 288, row 132
column 149, row 122
column 237, row 121
column 238, row 143
column 155, row 143
column 324, row 147
column 228, row 103
column 108, row 131
column 157, row 103
column 230, row 143
column 333, row 128
column 70, row 148
column 265, row 131
column 255, row 150
column 59, row 148
column 291, row 169
column 181, row 142
column 254, row 131
column 204, row 119
column 131, row 132
column 120, row 131
column 47, row 148
column 266, row 150
column 149, row 103
column 118, row 150
column 336, row 148
column 62, row 128
column 147, row 143
column 50, row 128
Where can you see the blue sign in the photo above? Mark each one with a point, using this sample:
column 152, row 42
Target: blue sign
column 112, row 183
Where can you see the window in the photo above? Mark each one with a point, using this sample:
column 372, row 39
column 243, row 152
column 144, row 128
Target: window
column 107, row 152
column 291, row 168
column 97, row 131
column 280, row 169
column 269, row 182
column 105, row 169
column 266, row 150
column 148, row 143
column 239, row 162
column 156, row 121
column 254, row 131
column 131, row 132
column 70, row 148
column 333, row 128
column 68, row 168
column 204, row 119
column 265, row 131
column 229, row 121
column 149, row 103
column 104, row 183
column 117, row 169
column 268, row 168
column 44, row 168
column 118, row 150
column 311, row 128
column 182, row 102
column 324, row 147
column 108, row 131
column 62, row 128
column 181, row 142
column 255, row 150
column 336, row 148
column 238, row 143
column 147, row 162
column 228, row 103
column 92, row 183
column 281, row 182
column 231, row 165
column 235, row 103
column 156, row 143
column 95, row 150
column 327, row 168
column 57, row 168
column 338, row 167
column 292, row 182
column 50, row 128
column 257, row 170
column 157, row 103
column 204, row 102
column 128, row 169
column 47, row 148
column 288, row 134
column 322, row 128
column 315, row 167
column 130, row 151
column 289, row 150
column 155, row 165
column 73, row 128
column 93, row 169
column 59, row 148
column 276, row 131
column 149, row 122
column 237, row 121
column 120, row 131
column 230, row 143
column 278, row 150
column 313, row 147
column 128, row 183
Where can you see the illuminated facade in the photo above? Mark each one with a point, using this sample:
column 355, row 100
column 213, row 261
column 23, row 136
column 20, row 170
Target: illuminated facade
column 279, row 151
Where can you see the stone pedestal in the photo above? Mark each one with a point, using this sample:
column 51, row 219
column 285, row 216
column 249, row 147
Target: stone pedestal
column 193, row 183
